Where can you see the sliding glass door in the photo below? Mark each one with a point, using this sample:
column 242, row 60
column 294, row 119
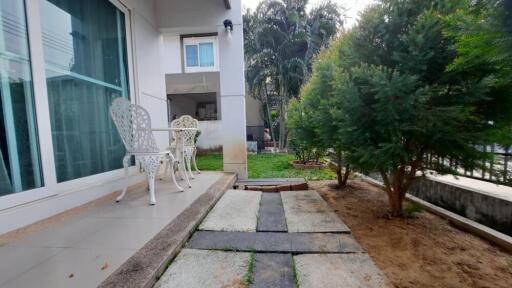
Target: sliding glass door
column 20, row 167
column 85, row 53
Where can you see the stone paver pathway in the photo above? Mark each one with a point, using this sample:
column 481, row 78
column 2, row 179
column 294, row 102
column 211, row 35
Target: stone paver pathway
column 286, row 239
column 237, row 210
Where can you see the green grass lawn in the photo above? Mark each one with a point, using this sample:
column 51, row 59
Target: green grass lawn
column 267, row 166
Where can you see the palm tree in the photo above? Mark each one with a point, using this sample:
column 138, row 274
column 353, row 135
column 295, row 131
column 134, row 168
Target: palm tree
column 281, row 40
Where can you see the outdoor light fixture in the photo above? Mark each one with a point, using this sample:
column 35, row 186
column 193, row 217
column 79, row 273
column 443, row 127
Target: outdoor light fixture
column 228, row 24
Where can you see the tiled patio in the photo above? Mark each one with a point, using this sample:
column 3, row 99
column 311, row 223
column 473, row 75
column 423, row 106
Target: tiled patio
column 83, row 250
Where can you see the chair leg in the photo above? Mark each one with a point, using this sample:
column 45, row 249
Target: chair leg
column 184, row 173
column 194, row 161
column 125, row 166
column 173, row 175
column 189, row 165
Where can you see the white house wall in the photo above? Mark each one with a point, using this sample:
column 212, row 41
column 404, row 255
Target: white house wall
column 171, row 54
column 150, row 75
column 178, row 17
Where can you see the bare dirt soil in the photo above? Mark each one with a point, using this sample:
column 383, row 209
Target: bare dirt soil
column 422, row 251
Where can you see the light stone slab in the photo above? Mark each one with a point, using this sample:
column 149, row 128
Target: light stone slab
column 237, row 210
column 306, row 211
column 203, row 269
column 275, row 242
column 338, row 270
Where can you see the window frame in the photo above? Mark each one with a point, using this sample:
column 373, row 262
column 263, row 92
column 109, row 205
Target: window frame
column 196, row 41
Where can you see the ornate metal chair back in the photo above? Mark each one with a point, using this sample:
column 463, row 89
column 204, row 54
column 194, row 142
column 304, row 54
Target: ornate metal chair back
column 134, row 126
column 186, row 121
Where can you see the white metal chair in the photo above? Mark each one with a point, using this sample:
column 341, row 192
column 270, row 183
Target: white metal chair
column 187, row 121
column 134, row 126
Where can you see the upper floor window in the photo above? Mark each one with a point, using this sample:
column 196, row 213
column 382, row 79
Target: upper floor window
column 200, row 54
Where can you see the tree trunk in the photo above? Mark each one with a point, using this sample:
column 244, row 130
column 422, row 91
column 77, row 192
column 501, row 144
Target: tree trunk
column 339, row 176
column 345, row 176
column 342, row 177
column 282, row 124
column 269, row 116
column 396, row 194
column 396, row 201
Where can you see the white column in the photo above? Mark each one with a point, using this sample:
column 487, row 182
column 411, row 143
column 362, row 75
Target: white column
column 232, row 92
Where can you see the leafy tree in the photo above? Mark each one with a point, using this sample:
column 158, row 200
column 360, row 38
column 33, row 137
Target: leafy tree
column 320, row 109
column 281, row 39
column 414, row 78
column 304, row 140
column 483, row 33
column 401, row 100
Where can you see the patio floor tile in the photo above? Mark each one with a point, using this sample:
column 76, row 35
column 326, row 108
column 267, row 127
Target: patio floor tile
column 204, row 269
column 71, row 267
column 306, row 211
column 123, row 234
column 64, row 234
column 237, row 210
column 14, row 261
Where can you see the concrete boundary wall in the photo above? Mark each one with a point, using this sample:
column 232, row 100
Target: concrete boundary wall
column 483, row 208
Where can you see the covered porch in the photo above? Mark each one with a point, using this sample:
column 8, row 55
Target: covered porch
column 83, row 246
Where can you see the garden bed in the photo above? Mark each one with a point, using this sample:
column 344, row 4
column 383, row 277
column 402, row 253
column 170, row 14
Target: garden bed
column 308, row 165
column 423, row 251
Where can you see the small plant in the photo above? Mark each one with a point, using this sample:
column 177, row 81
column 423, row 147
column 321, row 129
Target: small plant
column 196, row 137
column 412, row 208
column 304, row 140
column 248, row 277
column 295, row 273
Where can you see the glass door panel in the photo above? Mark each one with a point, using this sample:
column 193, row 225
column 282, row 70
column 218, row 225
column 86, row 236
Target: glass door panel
column 84, row 44
column 20, row 167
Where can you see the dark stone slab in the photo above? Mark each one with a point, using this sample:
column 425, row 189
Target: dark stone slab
column 273, row 270
column 240, row 241
column 146, row 265
column 274, row 242
column 271, row 217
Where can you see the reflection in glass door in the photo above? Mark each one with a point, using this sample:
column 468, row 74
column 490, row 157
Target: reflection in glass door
column 19, row 149
column 84, row 43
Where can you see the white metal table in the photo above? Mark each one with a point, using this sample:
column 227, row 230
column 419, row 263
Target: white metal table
column 179, row 135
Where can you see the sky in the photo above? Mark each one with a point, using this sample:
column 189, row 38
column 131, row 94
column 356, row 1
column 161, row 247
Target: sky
column 353, row 7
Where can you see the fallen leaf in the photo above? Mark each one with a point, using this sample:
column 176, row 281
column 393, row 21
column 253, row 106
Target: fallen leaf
column 105, row 266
